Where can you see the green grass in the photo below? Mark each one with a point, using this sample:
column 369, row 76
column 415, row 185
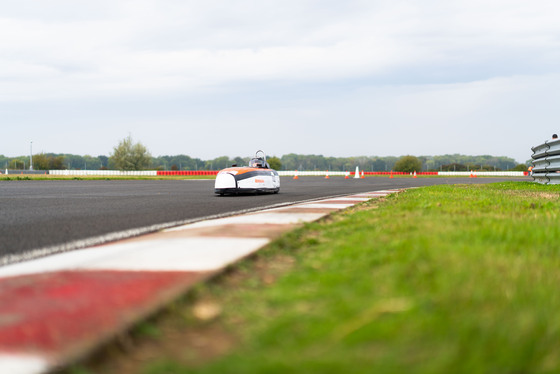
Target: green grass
column 444, row 279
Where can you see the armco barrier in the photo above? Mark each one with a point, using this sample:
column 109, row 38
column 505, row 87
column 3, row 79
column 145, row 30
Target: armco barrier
column 546, row 162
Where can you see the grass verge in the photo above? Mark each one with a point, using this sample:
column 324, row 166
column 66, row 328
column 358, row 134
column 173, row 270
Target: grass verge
column 444, row 279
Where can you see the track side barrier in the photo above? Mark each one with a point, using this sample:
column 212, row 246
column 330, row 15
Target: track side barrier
column 286, row 173
column 292, row 173
column 187, row 172
column 134, row 173
column 103, row 172
column 482, row 173
column 546, row 162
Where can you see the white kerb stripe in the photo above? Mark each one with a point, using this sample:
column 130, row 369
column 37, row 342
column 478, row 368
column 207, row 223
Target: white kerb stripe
column 22, row 364
column 347, row 199
column 318, row 206
column 262, row 218
column 323, row 205
column 370, row 195
column 183, row 254
column 187, row 254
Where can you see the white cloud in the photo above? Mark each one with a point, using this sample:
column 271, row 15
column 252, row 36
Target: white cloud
column 422, row 68
column 185, row 46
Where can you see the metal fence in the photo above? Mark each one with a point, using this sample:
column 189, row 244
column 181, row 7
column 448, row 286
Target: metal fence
column 546, row 162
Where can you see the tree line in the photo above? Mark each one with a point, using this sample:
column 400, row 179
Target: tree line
column 454, row 162
column 292, row 161
column 128, row 155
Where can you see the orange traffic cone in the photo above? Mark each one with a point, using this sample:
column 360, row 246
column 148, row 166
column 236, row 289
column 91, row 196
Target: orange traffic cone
column 363, row 176
column 414, row 175
column 296, row 175
column 391, row 176
column 347, row 176
column 471, row 175
column 327, row 176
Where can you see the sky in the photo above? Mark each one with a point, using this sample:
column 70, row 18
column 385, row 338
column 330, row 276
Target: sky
column 211, row 78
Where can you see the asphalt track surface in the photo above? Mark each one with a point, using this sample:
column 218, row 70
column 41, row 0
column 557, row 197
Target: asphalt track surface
column 37, row 217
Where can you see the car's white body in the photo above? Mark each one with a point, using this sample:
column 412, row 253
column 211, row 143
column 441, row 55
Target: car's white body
column 258, row 177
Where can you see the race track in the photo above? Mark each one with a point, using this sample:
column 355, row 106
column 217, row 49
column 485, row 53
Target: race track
column 52, row 214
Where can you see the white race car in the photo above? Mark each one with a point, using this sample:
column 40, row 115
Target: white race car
column 258, row 177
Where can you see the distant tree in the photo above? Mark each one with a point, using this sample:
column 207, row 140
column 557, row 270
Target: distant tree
column 520, row 167
column 391, row 161
column 377, row 164
column 40, row 162
column 73, row 161
column 218, row 163
column 290, row 161
column 408, row 164
column 49, row 161
column 454, row 167
column 239, row 161
column 17, row 164
column 56, row 163
column 181, row 162
column 274, row 162
column 130, row 156
column 91, row 163
column 103, row 162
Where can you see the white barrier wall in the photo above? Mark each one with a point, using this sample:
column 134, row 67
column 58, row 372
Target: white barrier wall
column 291, row 173
column 285, row 173
column 482, row 173
column 103, row 172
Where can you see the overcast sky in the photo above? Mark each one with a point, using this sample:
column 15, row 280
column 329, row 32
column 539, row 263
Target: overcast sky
column 210, row 78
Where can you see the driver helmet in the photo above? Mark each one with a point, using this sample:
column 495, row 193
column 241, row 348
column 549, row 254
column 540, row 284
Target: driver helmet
column 256, row 163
